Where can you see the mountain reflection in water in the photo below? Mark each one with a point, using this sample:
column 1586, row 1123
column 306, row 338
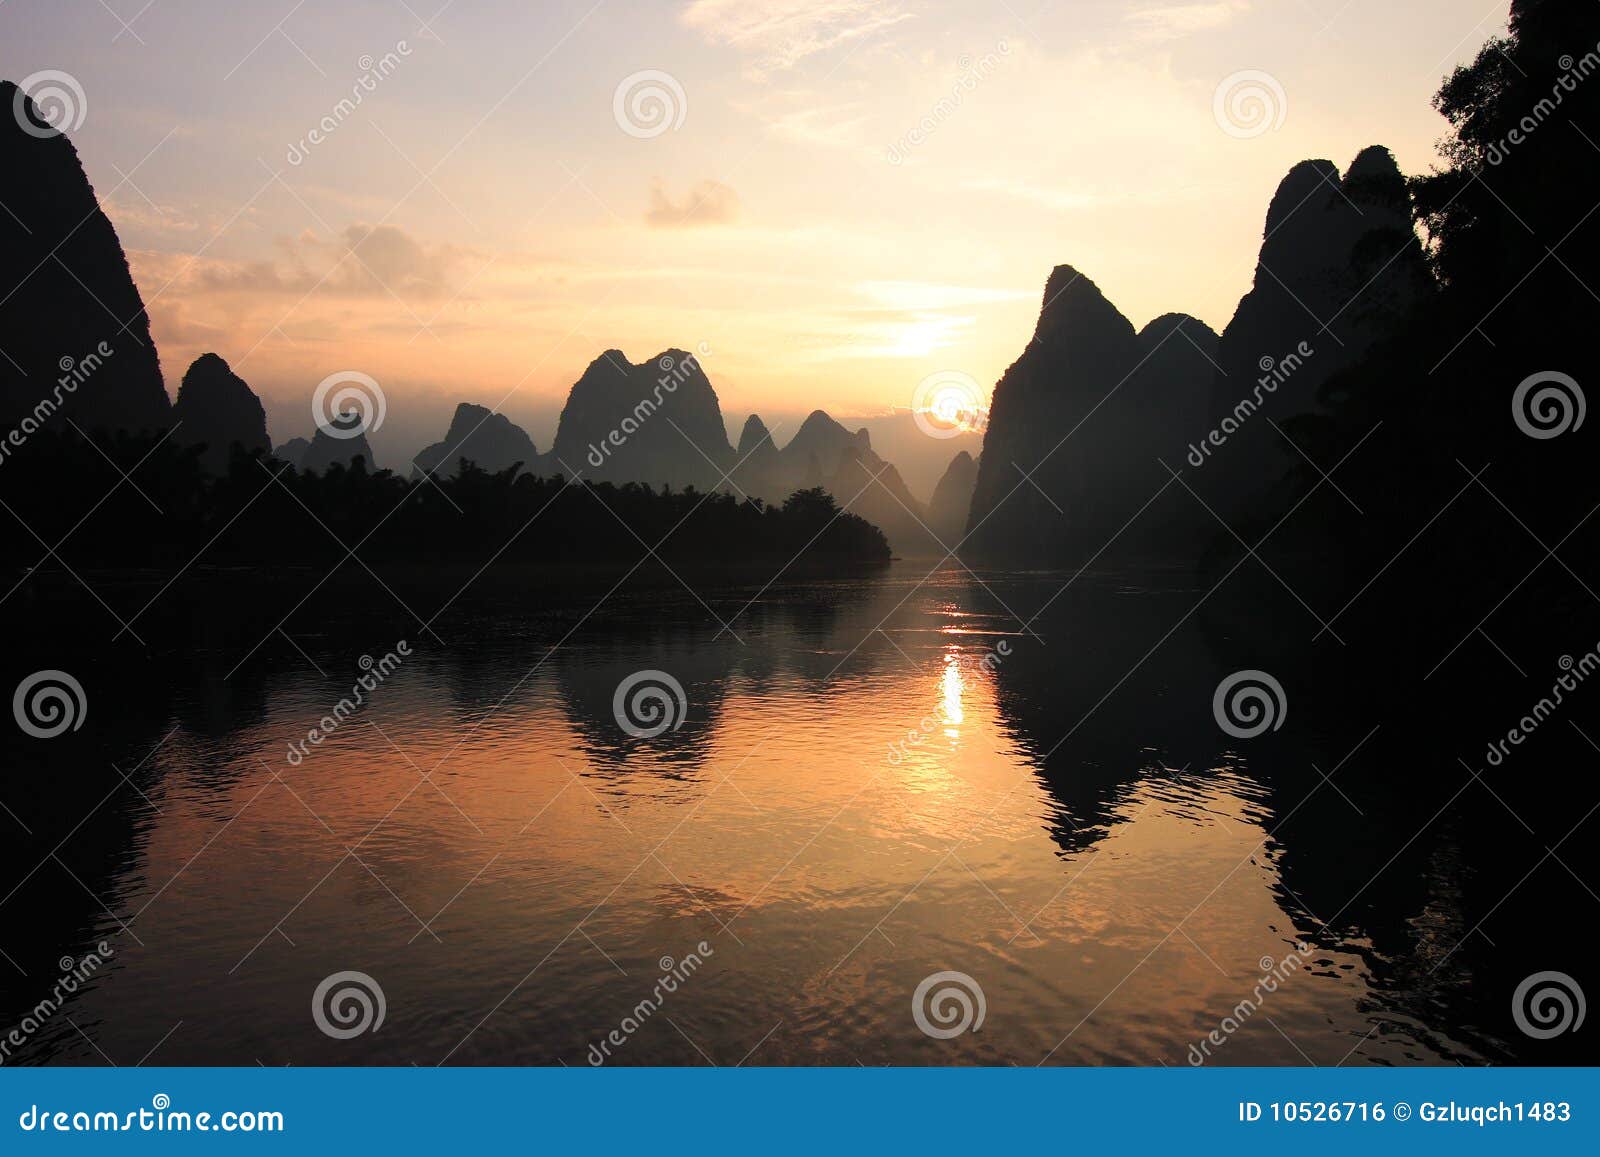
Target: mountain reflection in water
column 1017, row 778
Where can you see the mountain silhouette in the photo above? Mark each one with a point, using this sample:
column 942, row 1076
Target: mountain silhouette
column 216, row 409
column 1035, row 496
column 479, row 435
column 1340, row 267
column 658, row 422
column 1093, row 420
column 952, row 499
column 757, row 454
column 73, row 326
column 293, row 451
column 825, row 453
column 346, row 442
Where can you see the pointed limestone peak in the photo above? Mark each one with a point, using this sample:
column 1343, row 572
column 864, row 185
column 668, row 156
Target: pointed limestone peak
column 754, row 434
column 1301, row 186
column 1074, row 308
column 1374, row 178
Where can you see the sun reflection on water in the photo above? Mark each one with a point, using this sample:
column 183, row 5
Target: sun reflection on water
column 952, row 684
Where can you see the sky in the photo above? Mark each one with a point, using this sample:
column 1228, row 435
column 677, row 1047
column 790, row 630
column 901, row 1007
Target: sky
column 829, row 200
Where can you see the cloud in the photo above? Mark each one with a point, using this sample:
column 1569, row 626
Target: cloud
column 781, row 33
column 1175, row 21
column 361, row 261
column 708, row 203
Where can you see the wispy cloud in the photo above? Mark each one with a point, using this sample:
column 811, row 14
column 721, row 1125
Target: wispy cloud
column 1174, row 21
column 363, row 261
column 781, row 33
column 708, row 203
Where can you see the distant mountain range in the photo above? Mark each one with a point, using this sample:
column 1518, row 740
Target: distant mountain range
column 1086, row 432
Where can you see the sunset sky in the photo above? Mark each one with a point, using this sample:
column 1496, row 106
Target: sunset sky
column 507, row 229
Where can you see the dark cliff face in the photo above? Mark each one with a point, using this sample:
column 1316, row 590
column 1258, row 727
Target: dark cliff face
column 1340, row 266
column 1037, row 480
column 658, row 422
column 215, row 408
column 1100, row 418
column 491, row 441
column 72, row 325
column 952, row 498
